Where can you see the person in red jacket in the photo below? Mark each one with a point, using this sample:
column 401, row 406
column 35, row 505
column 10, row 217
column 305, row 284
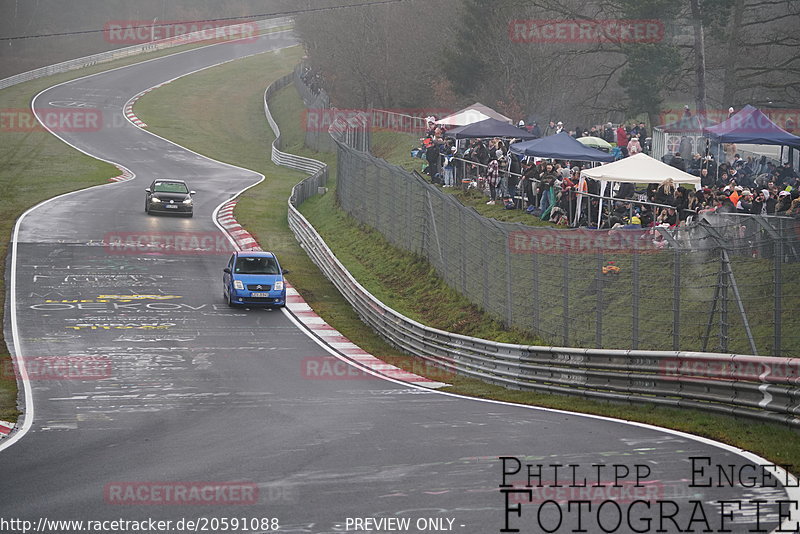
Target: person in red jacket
column 622, row 140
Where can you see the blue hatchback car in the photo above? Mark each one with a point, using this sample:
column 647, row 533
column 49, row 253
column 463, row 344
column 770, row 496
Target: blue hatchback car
column 254, row 279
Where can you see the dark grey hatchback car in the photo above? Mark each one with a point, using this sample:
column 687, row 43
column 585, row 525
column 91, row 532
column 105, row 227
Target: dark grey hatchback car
column 169, row 196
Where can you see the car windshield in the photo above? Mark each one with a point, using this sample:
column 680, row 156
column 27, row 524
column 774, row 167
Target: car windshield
column 170, row 187
column 257, row 266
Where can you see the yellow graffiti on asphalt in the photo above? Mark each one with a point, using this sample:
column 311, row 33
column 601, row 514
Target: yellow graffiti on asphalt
column 113, row 298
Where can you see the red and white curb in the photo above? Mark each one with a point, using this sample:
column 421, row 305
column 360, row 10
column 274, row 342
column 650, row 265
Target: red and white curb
column 316, row 324
column 124, row 177
column 334, row 339
column 5, row 428
column 243, row 239
column 129, row 106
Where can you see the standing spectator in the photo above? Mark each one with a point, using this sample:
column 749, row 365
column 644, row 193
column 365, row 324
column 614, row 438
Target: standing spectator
column 769, row 201
column 784, row 202
column 559, row 127
column 665, row 194
column 622, row 140
column 529, row 176
column 550, row 129
column 608, row 133
column 547, row 182
column 634, row 147
column 694, row 166
column 449, row 168
column 536, row 132
column 706, row 180
column 641, row 131
column 514, row 170
column 785, row 174
column 678, row 162
column 493, row 179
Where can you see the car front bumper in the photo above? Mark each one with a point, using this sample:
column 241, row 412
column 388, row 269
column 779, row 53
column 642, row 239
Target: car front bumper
column 161, row 207
column 273, row 298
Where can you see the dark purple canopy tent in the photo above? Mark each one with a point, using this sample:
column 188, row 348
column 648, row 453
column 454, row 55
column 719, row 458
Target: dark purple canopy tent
column 750, row 125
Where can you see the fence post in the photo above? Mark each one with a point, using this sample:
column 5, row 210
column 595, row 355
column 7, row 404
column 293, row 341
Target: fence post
column 565, row 291
column 535, row 272
column 598, row 277
column 635, row 301
column 777, row 288
column 676, row 302
column 509, row 281
column 723, row 303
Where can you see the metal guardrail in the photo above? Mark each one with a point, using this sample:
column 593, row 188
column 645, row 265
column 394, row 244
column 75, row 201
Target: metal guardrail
column 285, row 159
column 120, row 53
column 765, row 388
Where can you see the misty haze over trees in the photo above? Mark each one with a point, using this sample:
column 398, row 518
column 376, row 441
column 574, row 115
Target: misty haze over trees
column 37, row 17
column 450, row 53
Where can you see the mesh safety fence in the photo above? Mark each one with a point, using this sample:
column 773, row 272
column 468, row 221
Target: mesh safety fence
column 727, row 283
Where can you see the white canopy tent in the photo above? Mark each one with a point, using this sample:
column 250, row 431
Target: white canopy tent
column 475, row 113
column 638, row 169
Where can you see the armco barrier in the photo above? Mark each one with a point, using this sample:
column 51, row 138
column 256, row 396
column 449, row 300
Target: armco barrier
column 120, row 53
column 765, row 388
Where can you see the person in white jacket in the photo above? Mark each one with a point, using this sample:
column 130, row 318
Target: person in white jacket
column 633, row 146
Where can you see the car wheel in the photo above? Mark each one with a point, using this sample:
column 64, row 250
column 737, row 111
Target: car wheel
column 231, row 304
column 146, row 207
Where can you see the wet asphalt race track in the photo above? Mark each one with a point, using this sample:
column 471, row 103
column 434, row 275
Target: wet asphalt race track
column 188, row 391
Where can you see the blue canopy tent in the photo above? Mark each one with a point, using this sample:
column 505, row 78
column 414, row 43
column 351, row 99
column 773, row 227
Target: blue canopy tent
column 489, row 128
column 560, row 146
column 750, row 125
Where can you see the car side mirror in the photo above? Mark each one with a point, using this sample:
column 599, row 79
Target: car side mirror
column 285, row 271
column 147, row 190
column 192, row 192
column 226, row 270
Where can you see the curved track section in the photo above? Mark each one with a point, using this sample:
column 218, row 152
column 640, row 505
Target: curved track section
column 177, row 391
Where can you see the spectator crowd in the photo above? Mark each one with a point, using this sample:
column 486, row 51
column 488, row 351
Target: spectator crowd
column 549, row 189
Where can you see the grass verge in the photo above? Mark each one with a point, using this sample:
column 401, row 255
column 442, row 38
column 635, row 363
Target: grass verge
column 198, row 120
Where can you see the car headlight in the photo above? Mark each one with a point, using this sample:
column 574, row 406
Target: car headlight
column 155, row 199
column 187, row 201
column 237, row 284
column 278, row 285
